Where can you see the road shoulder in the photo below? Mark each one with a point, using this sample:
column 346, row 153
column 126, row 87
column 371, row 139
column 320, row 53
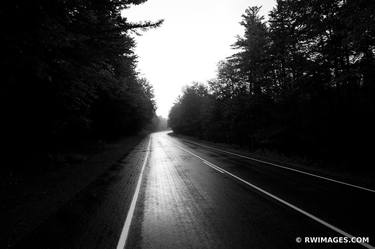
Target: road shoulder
column 321, row 168
column 30, row 204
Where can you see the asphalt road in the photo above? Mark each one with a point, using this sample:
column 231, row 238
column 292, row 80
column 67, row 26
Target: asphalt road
column 170, row 193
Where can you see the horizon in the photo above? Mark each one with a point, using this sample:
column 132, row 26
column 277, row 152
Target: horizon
column 207, row 39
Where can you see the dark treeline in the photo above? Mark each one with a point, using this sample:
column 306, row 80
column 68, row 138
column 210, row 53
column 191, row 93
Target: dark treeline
column 302, row 82
column 160, row 123
column 69, row 73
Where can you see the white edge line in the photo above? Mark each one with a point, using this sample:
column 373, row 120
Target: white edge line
column 284, row 167
column 311, row 216
column 213, row 166
column 125, row 230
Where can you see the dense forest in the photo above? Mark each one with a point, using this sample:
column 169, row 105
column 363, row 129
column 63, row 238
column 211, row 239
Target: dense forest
column 69, row 74
column 301, row 82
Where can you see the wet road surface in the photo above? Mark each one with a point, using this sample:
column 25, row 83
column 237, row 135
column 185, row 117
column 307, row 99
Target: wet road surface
column 191, row 196
column 185, row 202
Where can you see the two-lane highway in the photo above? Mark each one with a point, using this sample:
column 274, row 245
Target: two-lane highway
column 172, row 193
column 192, row 196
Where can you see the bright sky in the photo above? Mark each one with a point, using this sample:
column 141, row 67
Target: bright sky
column 195, row 36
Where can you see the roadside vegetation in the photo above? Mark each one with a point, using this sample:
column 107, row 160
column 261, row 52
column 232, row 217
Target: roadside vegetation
column 71, row 101
column 300, row 83
column 69, row 78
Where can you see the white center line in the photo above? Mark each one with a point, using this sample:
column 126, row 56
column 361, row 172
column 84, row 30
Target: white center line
column 125, row 230
column 284, row 167
column 311, row 216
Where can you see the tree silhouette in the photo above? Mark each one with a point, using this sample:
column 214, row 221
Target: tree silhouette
column 70, row 72
column 303, row 83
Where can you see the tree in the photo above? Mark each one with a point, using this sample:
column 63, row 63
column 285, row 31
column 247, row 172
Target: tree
column 251, row 60
column 70, row 72
column 188, row 113
column 303, row 82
